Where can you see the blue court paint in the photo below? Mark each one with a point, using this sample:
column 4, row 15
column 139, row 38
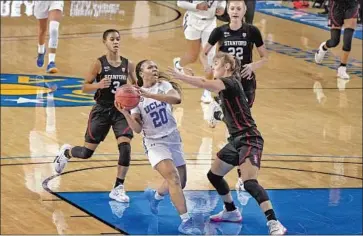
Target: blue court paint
column 274, row 8
column 25, row 90
column 302, row 211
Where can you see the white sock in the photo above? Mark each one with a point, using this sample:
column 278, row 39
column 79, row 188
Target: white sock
column 185, row 216
column 51, row 57
column 157, row 196
column 41, row 48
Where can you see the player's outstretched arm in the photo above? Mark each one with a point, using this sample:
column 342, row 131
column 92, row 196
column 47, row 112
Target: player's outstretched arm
column 200, row 82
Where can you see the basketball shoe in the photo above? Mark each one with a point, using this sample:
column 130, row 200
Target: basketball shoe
column 52, row 68
column 119, row 194
column 227, row 216
column 177, row 66
column 342, row 72
column 320, row 54
column 276, row 228
column 40, row 59
column 61, row 160
column 150, row 195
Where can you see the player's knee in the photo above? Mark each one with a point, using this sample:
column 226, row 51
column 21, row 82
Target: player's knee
column 53, row 34
column 218, row 183
column 124, row 154
column 82, row 152
column 334, row 38
column 255, row 189
column 347, row 39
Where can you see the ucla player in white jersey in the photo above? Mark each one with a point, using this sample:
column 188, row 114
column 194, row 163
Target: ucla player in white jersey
column 199, row 21
column 153, row 117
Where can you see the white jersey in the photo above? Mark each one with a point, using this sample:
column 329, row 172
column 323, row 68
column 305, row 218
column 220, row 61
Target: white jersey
column 191, row 7
column 157, row 117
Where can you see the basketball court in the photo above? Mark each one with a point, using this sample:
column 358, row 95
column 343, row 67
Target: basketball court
column 311, row 123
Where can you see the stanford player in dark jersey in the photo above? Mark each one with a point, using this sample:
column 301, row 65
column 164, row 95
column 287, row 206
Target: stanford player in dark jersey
column 238, row 39
column 108, row 72
column 341, row 13
column 245, row 144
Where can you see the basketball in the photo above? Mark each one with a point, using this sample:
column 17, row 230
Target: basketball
column 127, row 96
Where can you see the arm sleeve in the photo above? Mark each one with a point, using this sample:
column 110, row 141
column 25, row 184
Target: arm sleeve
column 187, row 5
column 215, row 36
column 256, row 36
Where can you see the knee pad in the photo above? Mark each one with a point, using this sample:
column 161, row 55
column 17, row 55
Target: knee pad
column 347, row 39
column 53, row 34
column 81, row 152
column 125, row 154
column 334, row 38
column 257, row 192
column 218, row 183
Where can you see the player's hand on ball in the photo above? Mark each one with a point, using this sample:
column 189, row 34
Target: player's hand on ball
column 104, row 83
column 120, row 108
column 203, row 6
column 247, row 71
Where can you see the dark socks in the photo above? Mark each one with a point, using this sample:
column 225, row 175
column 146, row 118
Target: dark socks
column 119, row 182
column 239, row 173
column 270, row 215
column 324, row 48
column 230, row 206
column 342, row 64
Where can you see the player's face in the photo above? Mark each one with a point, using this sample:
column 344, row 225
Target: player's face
column 236, row 10
column 219, row 69
column 113, row 42
column 150, row 71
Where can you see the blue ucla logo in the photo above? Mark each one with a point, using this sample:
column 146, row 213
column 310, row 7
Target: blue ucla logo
column 22, row 90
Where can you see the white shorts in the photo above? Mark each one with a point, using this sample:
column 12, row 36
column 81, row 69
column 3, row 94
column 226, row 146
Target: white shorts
column 195, row 28
column 41, row 8
column 169, row 147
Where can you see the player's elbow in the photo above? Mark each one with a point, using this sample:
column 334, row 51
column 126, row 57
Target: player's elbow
column 177, row 100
